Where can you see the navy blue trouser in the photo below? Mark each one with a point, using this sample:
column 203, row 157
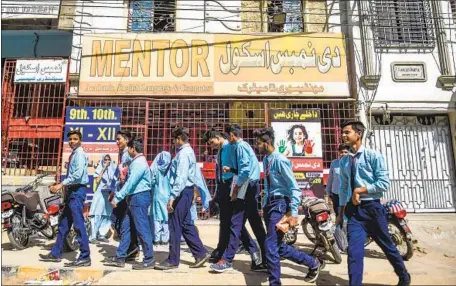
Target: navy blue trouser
column 243, row 210
column 180, row 223
column 226, row 213
column 276, row 248
column 124, row 227
column 369, row 218
column 73, row 216
column 139, row 211
column 335, row 201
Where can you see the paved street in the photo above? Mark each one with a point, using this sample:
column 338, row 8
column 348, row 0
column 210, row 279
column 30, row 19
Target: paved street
column 433, row 263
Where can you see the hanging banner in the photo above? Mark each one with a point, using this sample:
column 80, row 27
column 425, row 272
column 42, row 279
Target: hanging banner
column 298, row 137
column 99, row 126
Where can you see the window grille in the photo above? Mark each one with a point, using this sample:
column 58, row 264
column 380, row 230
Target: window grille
column 151, row 16
column 285, row 16
column 32, row 124
column 402, row 24
column 453, row 10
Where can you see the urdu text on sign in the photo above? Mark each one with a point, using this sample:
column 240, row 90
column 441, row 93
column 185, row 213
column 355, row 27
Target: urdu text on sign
column 190, row 64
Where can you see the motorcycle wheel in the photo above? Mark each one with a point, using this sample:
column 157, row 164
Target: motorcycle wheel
column 290, row 238
column 308, row 230
column 399, row 238
column 71, row 243
column 17, row 239
column 337, row 257
column 48, row 232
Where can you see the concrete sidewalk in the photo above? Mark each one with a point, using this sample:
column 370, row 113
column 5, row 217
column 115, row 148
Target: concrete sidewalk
column 434, row 263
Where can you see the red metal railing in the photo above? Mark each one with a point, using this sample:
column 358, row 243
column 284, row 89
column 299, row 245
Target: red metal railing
column 32, row 124
column 33, row 121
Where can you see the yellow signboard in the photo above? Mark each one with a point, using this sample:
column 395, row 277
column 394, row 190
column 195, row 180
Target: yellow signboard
column 191, row 64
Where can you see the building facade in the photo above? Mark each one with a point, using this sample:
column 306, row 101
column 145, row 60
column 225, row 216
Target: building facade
column 209, row 63
column 35, row 62
column 405, row 72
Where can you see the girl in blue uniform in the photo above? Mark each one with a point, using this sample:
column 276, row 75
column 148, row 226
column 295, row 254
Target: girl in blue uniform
column 161, row 190
column 101, row 209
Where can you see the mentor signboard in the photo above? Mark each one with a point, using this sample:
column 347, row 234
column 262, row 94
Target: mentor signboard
column 99, row 126
column 298, row 137
column 193, row 64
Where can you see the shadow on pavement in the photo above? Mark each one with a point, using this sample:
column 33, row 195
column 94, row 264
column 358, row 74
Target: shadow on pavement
column 372, row 253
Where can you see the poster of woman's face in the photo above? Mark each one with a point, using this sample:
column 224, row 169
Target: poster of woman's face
column 298, row 139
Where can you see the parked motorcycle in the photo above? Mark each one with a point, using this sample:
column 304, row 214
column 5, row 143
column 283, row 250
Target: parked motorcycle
column 317, row 221
column 398, row 228
column 24, row 215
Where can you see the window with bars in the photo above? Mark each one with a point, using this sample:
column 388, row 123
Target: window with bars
column 151, row 16
column 453, row 10
column 403, row 24
column 285, row 16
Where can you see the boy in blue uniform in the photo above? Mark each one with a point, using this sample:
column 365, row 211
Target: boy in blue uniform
column 182, row 180
column 125, row 229
column 224, row 180
column 364, row 179
column 244, row 164
column 137, row 192
column 281, row 194
column 332, row 187
column 75, row 194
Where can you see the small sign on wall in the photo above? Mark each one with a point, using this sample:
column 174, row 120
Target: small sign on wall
column 36, row 71
column 408, row 72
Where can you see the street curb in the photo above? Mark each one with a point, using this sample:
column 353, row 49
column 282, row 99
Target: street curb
column 78, row 274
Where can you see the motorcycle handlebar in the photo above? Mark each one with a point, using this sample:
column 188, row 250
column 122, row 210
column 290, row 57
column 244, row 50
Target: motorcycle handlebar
column 30, row 186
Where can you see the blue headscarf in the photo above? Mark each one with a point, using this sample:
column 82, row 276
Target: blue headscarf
column 160, row 185
column 200, row 183
column 108, row 181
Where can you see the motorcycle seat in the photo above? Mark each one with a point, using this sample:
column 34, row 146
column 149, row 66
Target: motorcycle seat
column 30, row 200
column 319, row 207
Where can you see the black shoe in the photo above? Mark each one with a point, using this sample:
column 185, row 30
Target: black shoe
column 256, row 258
column 79, row 263
column 312, row 275
column 165, row 265
column 94, row 241
column 214, row 259
column 116, row 262
column 199, row 262
column 405, row 282
column 215, row 256
column 103, row 239
column 49, row 258
column 259, row 267
column 156, row 243
column 131, row 256
column 144, row 266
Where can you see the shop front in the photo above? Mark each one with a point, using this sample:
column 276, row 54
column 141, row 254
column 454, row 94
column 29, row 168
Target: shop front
column 211, row 80
column 34, row 86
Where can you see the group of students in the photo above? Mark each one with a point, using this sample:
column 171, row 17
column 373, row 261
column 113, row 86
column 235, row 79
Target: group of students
column 146, row 198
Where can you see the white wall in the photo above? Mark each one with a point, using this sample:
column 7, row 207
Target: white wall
column 208, row 16
column 405, row 96
column 102, row 16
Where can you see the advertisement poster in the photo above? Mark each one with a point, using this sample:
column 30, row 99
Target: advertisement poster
column 99, row 126
column 298, row 137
